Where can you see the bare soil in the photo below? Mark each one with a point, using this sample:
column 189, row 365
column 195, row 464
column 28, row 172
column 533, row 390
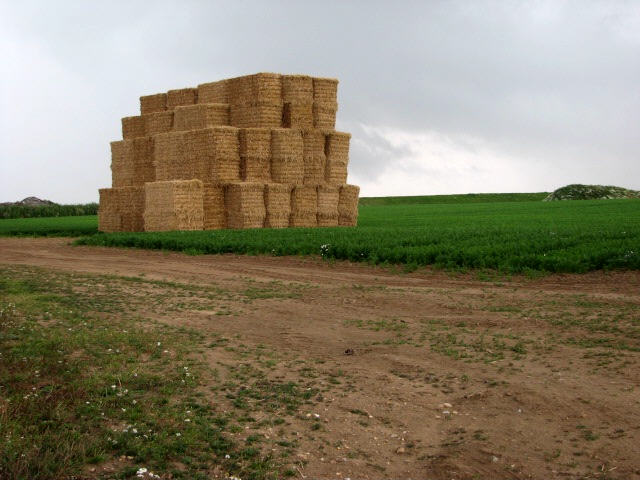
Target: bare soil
column 439, row 376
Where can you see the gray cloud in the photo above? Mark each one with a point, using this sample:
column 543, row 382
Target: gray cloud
column 550, row 87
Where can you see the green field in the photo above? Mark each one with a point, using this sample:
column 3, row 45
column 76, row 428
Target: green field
column 510, row 237
column 50, row 226
column 458, row 198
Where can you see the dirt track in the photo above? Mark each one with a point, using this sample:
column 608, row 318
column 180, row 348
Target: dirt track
column 537, row 387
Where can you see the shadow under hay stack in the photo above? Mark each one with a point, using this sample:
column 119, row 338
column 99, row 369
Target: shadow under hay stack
column 247, row 152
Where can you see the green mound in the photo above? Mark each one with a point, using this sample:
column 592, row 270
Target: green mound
column 591, row 192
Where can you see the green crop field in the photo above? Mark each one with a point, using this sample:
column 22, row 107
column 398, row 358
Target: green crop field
column 514, row 237
column 456, row 198
column 50, row 226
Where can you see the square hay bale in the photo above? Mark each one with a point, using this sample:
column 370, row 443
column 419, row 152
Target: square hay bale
column 159, row 122
column 325, row 90
column 337, row 154
column 244, row 203
column 201, row 115
column 131, row 208
column 215, row 216
column 133, row 127
column 142, row 159
column 153, row 103
column 260, row 88
column 173, row 205
column 182, row 96
column 255, row 154
column 223, row 155
column 328, row 196
column 304, row 206
column 297, row 89
column 165, row 154
column 348, row 205
column 287, row 162
column 108, row 214
column 277, row 201
column 122, row 166
column 324, row 115
column 256, row 115
column 297, row 115
column 313, row 156
column 214, row 92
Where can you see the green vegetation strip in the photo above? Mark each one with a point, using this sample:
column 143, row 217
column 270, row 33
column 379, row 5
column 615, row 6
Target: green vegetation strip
column 459, row 198
column 25, row 211
column 73, row 226
column 512, row 237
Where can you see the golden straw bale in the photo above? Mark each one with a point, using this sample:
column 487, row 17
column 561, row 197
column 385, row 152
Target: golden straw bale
column 260, row 88
column 337, row 153
column 277, row 200
column 255, row 154
column 304, row 206
column 213, row 207
column 244, row 203
column 313, row 156
column 201, row 115
column 324, row 115
column 131, row 208
column 224, row 155
column 297, row 115
column 182, row 96
column 325, row 90
column 122, row 167
column 159, row 122
column 297, row 89
column 153, row 103
column 173, row 205
column 287, row 162
column 133, row 127
column 328, row 197
column 108, row 213
column 348, row 205
column 255, row 115
column 214, row 92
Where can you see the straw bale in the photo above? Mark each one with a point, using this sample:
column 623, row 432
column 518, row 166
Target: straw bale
column 336, row 171
column 201, row 115
column 324, row 115
column 255, row 115
column 260, row 88
column 122, row 168
column 277, row 201
column 244, row 203
column 153, row 103
column 313, row 156
column 182, row 96
column 304, row 206
column 255, row 154
column 348, row 205
column 131, row 208
column 287, row 162
column 133, row 127
column 108, row 216
column 297, row 115
column 213, row 207
column 223, row 155
column 165, row 154
column 297, row 89
column 337, row 153
column 325, row 90
column 214, row 92
column 173, row 205
column 159, row 122
column 328, row 197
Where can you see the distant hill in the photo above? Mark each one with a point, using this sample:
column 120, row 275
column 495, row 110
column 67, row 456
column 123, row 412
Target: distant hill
column 29, row 202
column 456, row 198
column 590, row 192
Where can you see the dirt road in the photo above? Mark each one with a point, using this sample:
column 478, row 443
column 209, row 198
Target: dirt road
column 445, row 376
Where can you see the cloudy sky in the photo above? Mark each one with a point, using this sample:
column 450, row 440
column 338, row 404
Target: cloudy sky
column 441, row 96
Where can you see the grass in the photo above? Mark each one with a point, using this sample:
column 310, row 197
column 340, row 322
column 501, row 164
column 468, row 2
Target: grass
column 511, row 237
column 25, row 211
column 88, row 383
column 72, row 226
column 456, row 199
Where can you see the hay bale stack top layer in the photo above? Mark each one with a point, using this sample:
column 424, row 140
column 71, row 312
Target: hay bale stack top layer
column 153, row 103
column 182, row 96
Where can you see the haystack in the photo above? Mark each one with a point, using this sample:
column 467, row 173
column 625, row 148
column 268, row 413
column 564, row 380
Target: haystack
column 255, row 154
column 328, row 196
column 108, row 213
column 287, row 162
column 244, row 203
column 133, row 127
column 158, row 122
column 348, row 205
column 304, row 206
column 201, row 115
column 277, row 201
column 213, row 207
column 314, row 159
column 122, row 169
column 337, row 153
column 173, row 205
column 153, row 103
column 182, row 96
column 214, row 92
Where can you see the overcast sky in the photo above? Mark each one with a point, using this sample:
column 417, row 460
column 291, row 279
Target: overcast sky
column 441, row 97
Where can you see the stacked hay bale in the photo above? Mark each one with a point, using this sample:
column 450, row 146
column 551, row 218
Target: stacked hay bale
column 246, row 152
column 173, row 205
